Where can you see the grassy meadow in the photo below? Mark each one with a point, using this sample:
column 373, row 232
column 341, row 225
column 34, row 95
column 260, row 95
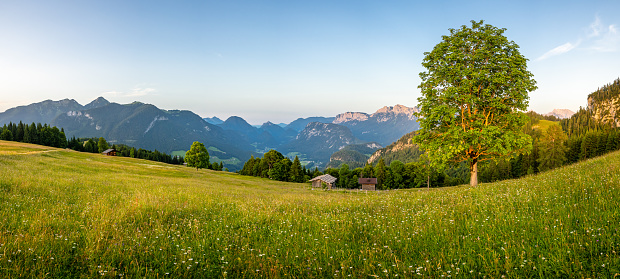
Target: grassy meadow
column 69, row 214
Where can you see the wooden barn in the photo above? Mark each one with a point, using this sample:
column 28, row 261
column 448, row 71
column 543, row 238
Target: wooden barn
column 109, row 152
column 326, row 178
column 368, row 183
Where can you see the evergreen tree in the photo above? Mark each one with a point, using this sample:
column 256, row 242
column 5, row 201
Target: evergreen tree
column 19, row 136
column 248, row 166
column 612, row 141
column 90, row 146
column 34, row 135
column 380, row 173
column 368, row 171
column 397, row 169
column 344, row 176
column 6, row 135
column 296, row 173
column 316, row 172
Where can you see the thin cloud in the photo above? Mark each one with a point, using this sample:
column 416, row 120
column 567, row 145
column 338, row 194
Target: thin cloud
column 136, row 92
column 609, row 41
column 597, row 38
column 140, row 92
column 558, row 50
column 595, row 28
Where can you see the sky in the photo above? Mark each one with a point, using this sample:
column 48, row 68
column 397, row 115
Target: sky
column 280, row 60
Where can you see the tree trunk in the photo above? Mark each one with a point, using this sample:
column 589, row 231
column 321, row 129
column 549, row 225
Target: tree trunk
column 428, row 181
column 473, row 168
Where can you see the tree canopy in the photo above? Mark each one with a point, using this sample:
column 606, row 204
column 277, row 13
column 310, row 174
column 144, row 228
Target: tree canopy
column 197, row 156
column 474, row 94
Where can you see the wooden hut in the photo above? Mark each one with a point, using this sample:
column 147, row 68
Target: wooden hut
column 368, row 183
column 109, row 152
column 326, row 178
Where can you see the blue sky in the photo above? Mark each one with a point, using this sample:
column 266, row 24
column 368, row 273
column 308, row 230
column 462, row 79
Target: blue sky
column 279, row 60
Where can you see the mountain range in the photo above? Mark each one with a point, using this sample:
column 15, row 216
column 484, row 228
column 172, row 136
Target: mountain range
column 233, row 141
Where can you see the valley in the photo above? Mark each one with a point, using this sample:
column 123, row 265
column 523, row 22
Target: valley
column 231, row 141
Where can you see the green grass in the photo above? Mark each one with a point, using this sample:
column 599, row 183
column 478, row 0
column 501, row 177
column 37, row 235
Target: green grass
column 227, row 162
column 180, row 153
column 69, row 214
column 545, row 124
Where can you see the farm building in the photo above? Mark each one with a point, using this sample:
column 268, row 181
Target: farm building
column 109, row 152
column 326, row 178
column 368, row 183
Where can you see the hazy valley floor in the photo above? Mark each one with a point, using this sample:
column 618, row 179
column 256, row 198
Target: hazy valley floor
column 71, row 214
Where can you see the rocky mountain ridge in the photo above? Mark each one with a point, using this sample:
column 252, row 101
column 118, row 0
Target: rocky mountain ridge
column 145, row 126
column 561, row 113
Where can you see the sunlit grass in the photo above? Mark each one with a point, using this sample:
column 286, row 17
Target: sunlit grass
column 543, row 125
column 70, row 214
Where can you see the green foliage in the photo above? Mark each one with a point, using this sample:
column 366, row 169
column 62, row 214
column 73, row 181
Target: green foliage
column 474, row 93
column 197, row 156
column 6, row 135
column 380, row 173
column 275, row 166
column 38, row 134
column 582, row 122
column 402, row 150
column 552, row 151
column 280, row 170
column 607, row 92
column 102, row 145
column 296, row 173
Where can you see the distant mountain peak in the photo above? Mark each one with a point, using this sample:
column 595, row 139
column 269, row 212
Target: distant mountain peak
column 350, row 116
column 561, row 113
column 397, row 109
column 96, row 103
column 214, row 120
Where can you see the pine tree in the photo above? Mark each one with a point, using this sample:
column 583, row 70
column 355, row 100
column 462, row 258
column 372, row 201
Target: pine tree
column 34, row 135
column 343, row 174
column 296, row 173
column 6, row 135
column 552, row 151
column 380, row 173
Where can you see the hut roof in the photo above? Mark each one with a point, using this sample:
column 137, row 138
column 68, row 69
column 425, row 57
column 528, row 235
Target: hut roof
column 108, row 151
column 325, row 178
column 367, row 181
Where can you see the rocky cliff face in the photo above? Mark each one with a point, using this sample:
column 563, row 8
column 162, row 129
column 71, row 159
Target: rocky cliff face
column 606, row 111
column 561, row 113
column 384, row 113
column 384, row 126
column 350, row 117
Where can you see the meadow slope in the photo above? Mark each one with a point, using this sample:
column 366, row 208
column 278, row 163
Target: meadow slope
column 70, row 214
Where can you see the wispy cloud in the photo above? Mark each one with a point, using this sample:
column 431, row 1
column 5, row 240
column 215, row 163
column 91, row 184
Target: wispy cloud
column 135, row 92
column 609, row 41
column 598, row 37
column 595, row 27
column 558, row 50
column 140, row 92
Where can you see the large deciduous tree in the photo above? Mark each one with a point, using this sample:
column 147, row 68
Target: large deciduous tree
column 474, row 92
column 197, row 156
